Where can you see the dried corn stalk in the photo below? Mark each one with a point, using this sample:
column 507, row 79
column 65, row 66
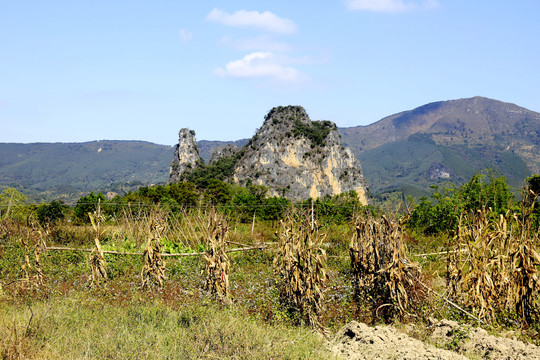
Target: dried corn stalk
column 32, row 272
column 382, row 275
column 217, row 264
column 497, row 274
column 97, row 262
column 478, row 276
column 153, row 272
column 299, row 267
column 525, row 262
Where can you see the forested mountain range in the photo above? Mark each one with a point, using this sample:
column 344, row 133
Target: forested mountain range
column 447, row 141
column 405, row 152
column 45, row 171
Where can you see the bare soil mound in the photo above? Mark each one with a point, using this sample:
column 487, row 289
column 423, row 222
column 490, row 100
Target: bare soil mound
column 477, row 343
column 447, row 341
column 357, row 341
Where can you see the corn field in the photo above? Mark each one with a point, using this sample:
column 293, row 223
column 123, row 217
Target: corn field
column 153, row 272
column 383, row 277
column 300, row 267
column 493, row 267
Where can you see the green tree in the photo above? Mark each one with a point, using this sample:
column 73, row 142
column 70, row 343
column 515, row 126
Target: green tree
column 13, row 204
column 448, row 202
column 274, row 208
column 217, row 192
column 533, row 184
column 87, row 204
column 184, row 193
column 50, row 213
column 531, row 199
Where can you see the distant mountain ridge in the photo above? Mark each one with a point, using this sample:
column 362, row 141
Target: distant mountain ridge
column 463, row 136
column 472, row 121
column 407, row 151
column 66, row 171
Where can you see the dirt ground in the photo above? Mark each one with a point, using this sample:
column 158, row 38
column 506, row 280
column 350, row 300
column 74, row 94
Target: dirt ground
column 445, row 340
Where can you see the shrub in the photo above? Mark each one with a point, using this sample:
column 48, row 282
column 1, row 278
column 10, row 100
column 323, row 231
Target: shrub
column 87, row 205
column 50, row 213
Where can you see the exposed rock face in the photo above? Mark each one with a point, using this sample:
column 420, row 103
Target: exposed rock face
column 439, row 171
column 291, row 155
column 186, row 155
column 224, row 151
column 298, row 158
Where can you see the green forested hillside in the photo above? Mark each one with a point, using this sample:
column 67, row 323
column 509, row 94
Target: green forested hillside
column 447, row 141
column 410, row 165
column 67, row 170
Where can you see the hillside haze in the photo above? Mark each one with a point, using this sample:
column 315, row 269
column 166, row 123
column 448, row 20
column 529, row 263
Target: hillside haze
column 447, row 141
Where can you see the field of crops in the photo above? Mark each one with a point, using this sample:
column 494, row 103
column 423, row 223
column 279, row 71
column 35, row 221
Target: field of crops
column 204, row 284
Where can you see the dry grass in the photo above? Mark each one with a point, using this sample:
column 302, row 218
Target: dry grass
column 79, row 327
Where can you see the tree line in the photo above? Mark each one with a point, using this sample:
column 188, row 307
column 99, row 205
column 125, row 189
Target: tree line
column 437, row 214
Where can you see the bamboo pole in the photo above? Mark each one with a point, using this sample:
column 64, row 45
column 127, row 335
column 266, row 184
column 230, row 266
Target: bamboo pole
column 440, row 253
column 57, row 248
column 245, row 248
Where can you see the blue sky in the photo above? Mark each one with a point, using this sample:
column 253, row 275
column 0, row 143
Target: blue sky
column 74, row 70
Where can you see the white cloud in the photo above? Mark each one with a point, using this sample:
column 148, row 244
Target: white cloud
column 185, row 35
column 243, row 18
column 389, row 5
column 259, row 65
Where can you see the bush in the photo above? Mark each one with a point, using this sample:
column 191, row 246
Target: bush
column 316, row 131
column 50, row 213
column 442, row 213
column 87, row 204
